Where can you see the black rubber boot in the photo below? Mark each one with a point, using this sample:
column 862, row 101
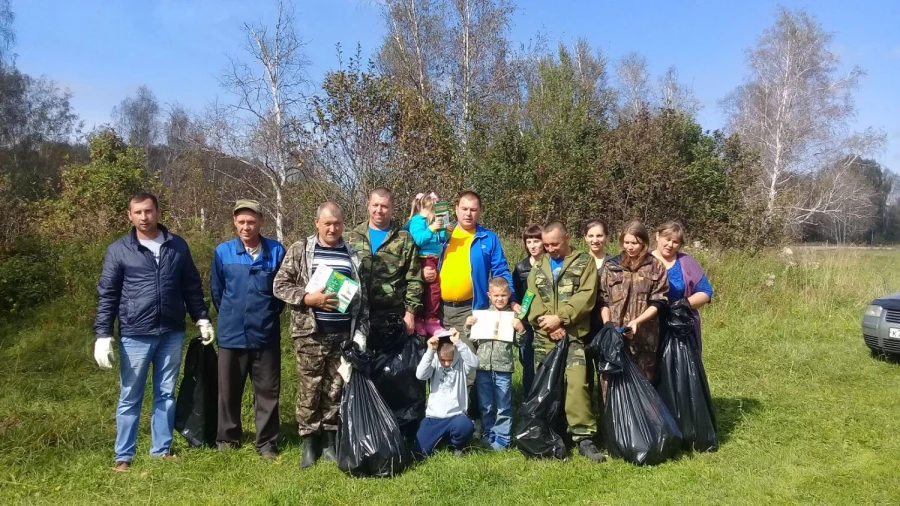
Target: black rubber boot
column 310, row 450
column 328, row 449
column 587, row 448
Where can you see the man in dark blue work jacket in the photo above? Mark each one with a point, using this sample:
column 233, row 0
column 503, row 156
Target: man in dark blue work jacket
column 249, row 328
column 148, row 282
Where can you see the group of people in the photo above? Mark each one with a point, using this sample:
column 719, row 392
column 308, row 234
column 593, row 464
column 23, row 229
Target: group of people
column 425, row 277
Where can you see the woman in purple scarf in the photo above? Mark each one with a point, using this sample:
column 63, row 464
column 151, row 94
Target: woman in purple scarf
column 686, row 278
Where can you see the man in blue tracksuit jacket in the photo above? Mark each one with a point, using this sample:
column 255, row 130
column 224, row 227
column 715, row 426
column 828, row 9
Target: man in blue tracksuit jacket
column 476, row 251
column 148, row 280
column 249, row 329
column 472, row 256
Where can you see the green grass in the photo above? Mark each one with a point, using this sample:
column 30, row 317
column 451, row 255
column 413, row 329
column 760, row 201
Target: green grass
column 805, row 413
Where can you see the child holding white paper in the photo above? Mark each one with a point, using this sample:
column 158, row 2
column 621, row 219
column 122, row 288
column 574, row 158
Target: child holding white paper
column 493, row 379
column 430, row 234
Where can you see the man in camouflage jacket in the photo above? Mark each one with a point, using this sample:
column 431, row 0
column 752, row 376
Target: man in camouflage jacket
column 564, row 282
column 318, row 329
column 389, row 267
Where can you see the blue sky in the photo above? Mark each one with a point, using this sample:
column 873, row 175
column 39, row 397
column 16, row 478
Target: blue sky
column 103, row 49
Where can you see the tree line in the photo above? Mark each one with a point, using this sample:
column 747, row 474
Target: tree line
column 449, row 102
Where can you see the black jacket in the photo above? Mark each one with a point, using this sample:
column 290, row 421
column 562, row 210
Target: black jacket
column 148, row 299
column 520, row 277
column 596, row 321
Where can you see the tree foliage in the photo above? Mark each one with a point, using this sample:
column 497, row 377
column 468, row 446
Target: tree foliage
column 794, row 109
column 94, row 196
column 450, row 103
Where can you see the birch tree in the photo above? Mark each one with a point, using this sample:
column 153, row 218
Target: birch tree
column 675, row 96
column 415, row 41
column 634, row 85
column 794, row 108
column 7, row 34
column 137, row 118
column 269, row 90
column 477, row 63
column 453, row 53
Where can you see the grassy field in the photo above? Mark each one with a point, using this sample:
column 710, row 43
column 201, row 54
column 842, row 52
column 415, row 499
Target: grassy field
column 806, row 415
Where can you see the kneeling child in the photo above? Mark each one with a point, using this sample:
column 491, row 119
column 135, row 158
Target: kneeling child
column 445, row 365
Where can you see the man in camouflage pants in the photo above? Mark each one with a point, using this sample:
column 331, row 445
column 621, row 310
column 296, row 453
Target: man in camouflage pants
column 564, row 282
column 318, row 328
column 389, row 267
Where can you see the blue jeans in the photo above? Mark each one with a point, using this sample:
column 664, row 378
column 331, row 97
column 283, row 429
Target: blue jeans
column 136, row 354
column 495, row 401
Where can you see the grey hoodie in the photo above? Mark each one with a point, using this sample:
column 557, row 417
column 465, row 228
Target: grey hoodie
column 449, row 396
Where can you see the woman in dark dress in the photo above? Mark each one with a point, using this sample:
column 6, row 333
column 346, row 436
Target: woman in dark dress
column 535, row 248
column 595, row 236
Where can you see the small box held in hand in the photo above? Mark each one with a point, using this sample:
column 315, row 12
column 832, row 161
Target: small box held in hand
column 333, row 282
column 442, row 211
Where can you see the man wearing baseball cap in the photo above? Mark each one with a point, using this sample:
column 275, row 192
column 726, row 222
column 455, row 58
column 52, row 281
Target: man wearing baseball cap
column 249, row 328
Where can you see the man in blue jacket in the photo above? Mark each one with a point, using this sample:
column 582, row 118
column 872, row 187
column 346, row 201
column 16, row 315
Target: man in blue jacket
column 148, row 280
column 249, row 329
column 471, row 257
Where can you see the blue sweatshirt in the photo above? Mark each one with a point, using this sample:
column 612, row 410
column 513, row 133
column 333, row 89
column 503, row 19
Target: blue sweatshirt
column 429, row 243
column 241, row 287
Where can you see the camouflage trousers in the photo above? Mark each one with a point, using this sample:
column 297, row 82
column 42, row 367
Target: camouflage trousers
column 319, row 384
column 580, row 417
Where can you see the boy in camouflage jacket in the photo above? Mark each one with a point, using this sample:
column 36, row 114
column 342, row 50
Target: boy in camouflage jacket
column 493, row 379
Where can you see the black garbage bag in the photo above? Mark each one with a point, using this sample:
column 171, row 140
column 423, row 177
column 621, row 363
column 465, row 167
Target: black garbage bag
column 196, row 407
column 637, row 426
column 394, row 375
column 360, row 360
column 369, row 442
column 606, row 349
column 542, row 422
column 682, row 381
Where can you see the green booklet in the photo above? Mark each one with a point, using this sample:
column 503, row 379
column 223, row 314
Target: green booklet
column 526, row 304
column 333, row 282
column 442, row 210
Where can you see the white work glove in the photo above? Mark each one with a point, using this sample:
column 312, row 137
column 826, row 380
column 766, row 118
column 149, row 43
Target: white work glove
column 360, row 340
column 207, row 333
column 103, row 352
column 345, row 369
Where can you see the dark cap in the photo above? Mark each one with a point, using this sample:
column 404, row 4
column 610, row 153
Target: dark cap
column 251, row 205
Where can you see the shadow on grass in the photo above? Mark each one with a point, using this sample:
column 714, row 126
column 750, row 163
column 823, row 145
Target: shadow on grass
column 730, row 412
column 890, row 358
column 289, row 435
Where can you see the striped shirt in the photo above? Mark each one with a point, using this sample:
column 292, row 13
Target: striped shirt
column 331, row 322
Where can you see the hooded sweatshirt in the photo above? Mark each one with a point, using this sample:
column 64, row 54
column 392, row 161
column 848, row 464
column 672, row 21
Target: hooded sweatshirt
column 449, row 396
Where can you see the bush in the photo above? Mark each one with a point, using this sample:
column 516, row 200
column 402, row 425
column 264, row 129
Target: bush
column 29, row 275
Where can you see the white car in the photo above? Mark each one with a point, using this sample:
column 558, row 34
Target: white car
column 881, row 325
